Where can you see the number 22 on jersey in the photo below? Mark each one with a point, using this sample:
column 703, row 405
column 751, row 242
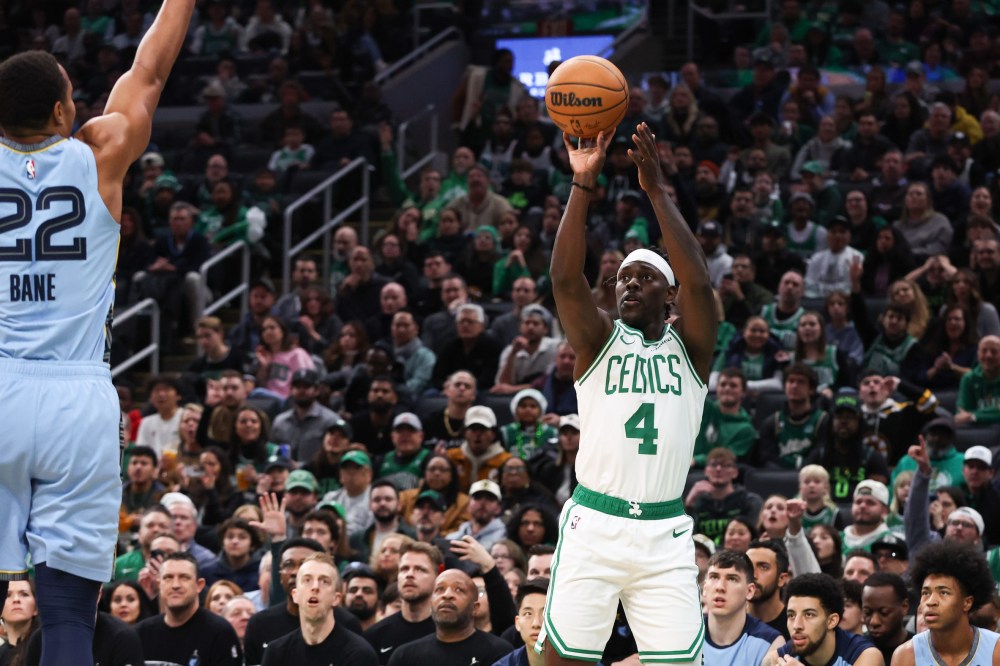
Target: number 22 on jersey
column 21, row 217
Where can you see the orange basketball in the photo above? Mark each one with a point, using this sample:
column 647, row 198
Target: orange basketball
column 586, row 95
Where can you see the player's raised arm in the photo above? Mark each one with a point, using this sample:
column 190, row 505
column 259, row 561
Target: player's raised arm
column 120, row 135
column 587, row 327
column 696, row 303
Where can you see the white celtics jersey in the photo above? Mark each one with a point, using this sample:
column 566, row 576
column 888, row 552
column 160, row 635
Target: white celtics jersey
column 640, row 408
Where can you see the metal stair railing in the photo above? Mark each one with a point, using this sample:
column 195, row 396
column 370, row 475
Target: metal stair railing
column 326, row 189
column 427, row 112
column 242, row 290
column 418, row 7
column 152, row 350
column 421, row 50
column 627, row 34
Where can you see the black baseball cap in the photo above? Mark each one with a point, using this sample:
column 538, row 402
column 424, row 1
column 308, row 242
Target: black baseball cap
column 358, row 570
column 264, row 282
column 840, row 221
column 305, row 376
column 893, row 543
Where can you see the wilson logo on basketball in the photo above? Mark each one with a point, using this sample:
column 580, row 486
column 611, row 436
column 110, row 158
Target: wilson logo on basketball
column 570, row 99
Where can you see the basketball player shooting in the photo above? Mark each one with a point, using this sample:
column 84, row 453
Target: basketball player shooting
column 641, row 385
column 60, row 203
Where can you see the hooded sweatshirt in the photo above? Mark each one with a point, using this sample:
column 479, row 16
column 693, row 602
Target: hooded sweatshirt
column 472, row 468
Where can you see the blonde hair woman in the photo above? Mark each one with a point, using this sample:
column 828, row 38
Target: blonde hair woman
column 385, row 560
column 907, row 294
column 900, row 492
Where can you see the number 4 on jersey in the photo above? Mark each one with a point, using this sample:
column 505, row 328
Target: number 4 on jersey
column 641, row 425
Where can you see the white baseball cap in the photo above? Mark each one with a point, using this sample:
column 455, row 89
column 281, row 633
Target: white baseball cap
column 874, row 489
column 980, row 453
column 485, row 486
column 151, row 159
column 705, row 542
column 570, row 421
column 480, row 415
column 408, row 419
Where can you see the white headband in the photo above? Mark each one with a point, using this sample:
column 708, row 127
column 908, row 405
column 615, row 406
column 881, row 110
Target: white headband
column 654, row 260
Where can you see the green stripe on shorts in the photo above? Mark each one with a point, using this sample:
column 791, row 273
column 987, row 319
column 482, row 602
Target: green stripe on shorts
column 614, row 506
column 558, row 644
column 675, row 656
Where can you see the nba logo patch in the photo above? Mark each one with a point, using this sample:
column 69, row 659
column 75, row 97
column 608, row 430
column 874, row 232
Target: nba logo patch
column 29, row 168
column 574, row 522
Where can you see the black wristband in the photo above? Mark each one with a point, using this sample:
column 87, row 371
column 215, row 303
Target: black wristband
column 583, row 187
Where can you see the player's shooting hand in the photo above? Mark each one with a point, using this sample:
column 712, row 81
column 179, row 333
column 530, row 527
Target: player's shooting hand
column 588, row 158
column 274, row 523
column 470, row 550
column 651, row 178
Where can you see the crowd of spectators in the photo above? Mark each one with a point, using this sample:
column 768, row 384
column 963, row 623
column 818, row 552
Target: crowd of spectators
column 415, row 408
